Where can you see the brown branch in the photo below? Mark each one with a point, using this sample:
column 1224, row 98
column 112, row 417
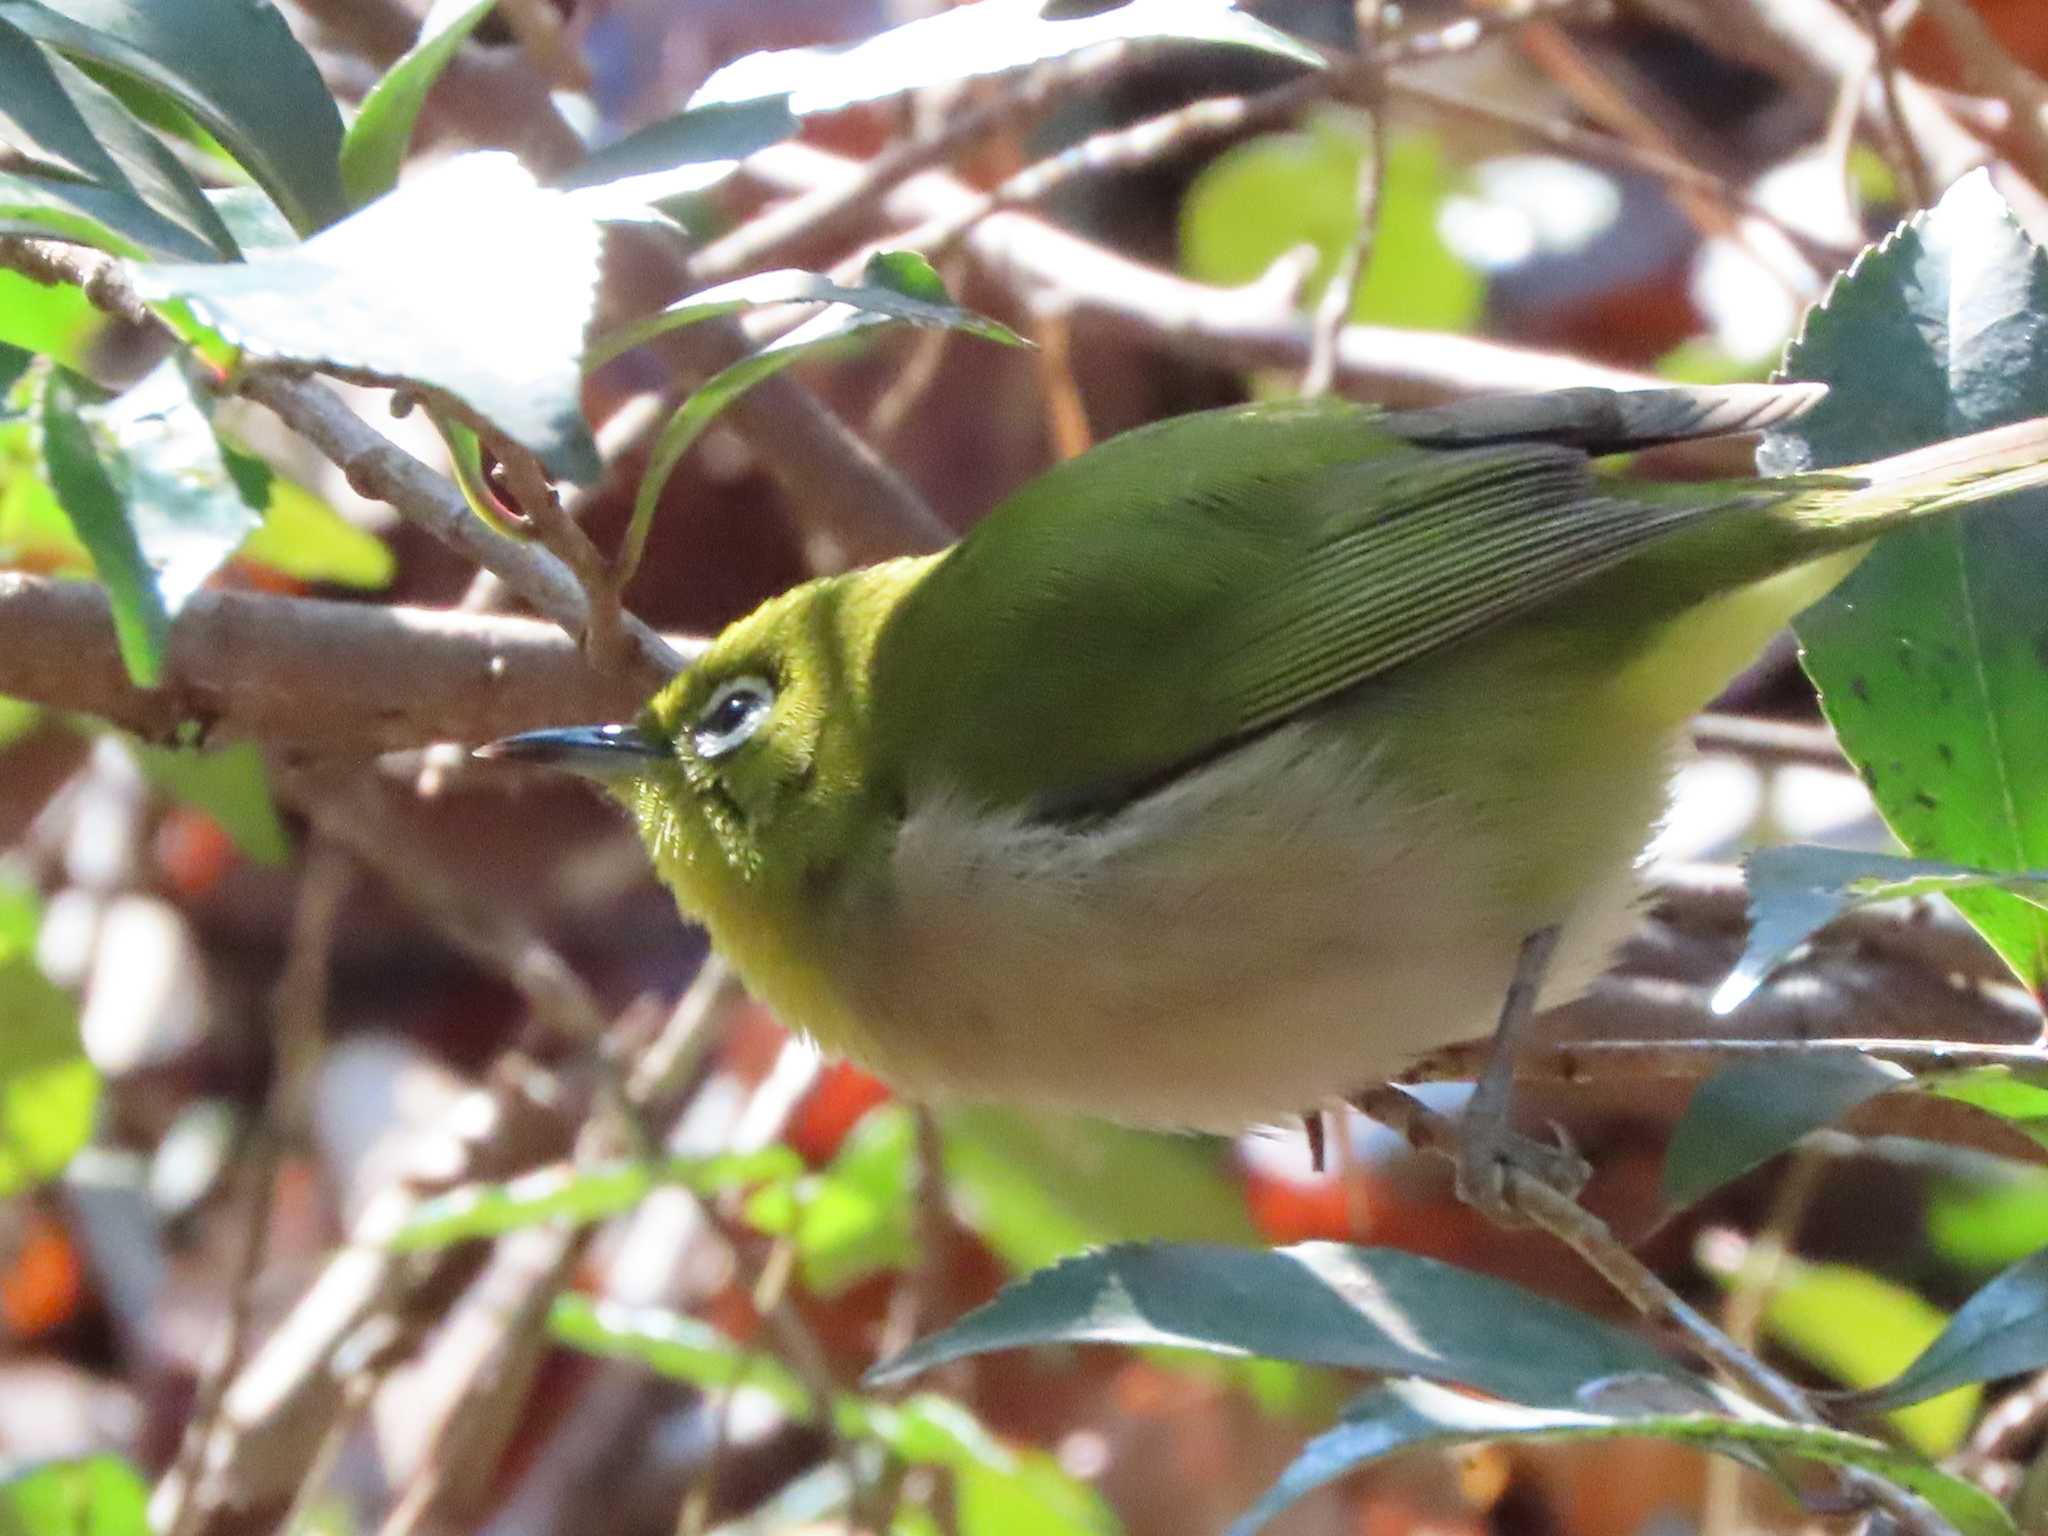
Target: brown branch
column 1990, row 71
column 1912, row 164
column 1234, row 327
column 306, row 674
column 1340, row 294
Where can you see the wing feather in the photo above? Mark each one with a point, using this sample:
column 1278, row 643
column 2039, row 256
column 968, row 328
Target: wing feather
column 1189, row 584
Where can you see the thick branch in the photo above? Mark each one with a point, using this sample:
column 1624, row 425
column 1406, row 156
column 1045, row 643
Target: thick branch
column 302, row 673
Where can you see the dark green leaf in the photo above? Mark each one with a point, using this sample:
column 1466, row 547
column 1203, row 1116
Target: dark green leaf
column 306, row 539
column 469, row 279
column 59, row 208
column 1406, row 1416
column 899, row 286
column 681, row 1348
column 2002, row 1330
column 234, row 65
column 1374, row 1309
column 93, row 1496
column 231, row 785
column 14, row 363
column 1256, row 202
column 1796, row 891
column 48, row 1089
column 374, row 146
column 581, row 1195
column 690, row 152
column 86, row 490
column 991, row 38
column 146, row 167
column 1929, row 656
column 1746, row 1114
column 38, row 117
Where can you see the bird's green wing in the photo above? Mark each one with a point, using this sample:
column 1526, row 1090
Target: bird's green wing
column 1188, row 584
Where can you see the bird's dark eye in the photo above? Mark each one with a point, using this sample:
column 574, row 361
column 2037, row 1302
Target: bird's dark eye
column 734, row 712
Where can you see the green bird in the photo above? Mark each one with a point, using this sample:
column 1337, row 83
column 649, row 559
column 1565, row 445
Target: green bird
column 1224, row 768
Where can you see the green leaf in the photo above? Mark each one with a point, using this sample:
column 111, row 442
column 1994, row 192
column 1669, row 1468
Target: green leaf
column 901, row 285
column 690, row 152
column 1374, row 1309
column 86, row 491
column 680, row 1348
column 2002, row 1330
column 1405, row 1416
column 998, row 1491
column 1984, row 1224
column 252, row 219
column 1929, row 656
column 234, row 65
column 2011, row 1095
column 1861, row 1329
column 1254, row 203
column 92, row 1496
column 853, row 1218
column 48, row 1090
column 18, row 717
column 1796, row 891
column 231, row 785
column 56, row 322
column 302, row 537
column 469, row 279
column 581, row 1195
column 146, row 167
column 897, row 286
column 14, row 366
column 38, row 117
column 1041, row 1188
column 1745, row 1115
column 991, row 38
column 374, row 146
column 108, row 218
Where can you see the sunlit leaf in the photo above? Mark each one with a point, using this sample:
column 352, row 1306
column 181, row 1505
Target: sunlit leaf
column 48, row 1090
column 374, row 145
column 1796, row 891
column 991, row 38
column 1928, row 656
column 1375, row 1309
column 92, row 1496
column 1861, row 1329
column 1256, row 202
column 58, row 321
column 852, row 1218
column 1406, row 1416
column 688, row 153
column 18, row 717
column 581, row 1195
column 897, row 287
column 680, row 1348
column 470, row 279
column 303, row 537
column 1986, row 1223
column 2002, row 1330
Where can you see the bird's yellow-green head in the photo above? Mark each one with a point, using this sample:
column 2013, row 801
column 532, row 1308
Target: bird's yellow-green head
column 754, row 774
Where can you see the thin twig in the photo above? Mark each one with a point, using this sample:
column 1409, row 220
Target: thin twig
column 1990, row 71
column 1340, row 294
column 1919, row 184
column 1604, row 1061
column 1591, row 1238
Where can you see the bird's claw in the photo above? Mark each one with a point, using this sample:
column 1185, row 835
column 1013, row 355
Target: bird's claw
column 1488, row 1153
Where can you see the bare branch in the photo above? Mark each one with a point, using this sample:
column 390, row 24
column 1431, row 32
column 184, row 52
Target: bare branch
column 304, row 674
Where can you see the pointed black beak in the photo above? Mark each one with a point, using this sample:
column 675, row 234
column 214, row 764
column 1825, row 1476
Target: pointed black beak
column 595, row 751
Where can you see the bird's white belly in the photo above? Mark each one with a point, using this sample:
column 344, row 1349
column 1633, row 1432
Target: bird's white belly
column 1260, row 936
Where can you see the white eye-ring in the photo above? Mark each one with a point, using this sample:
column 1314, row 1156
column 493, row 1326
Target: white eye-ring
column 732, row 714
